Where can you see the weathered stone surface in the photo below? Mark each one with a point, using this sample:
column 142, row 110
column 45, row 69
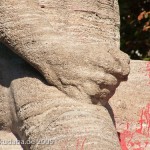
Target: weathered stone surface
column 8, row 140
column 131, row 98
column 37, row 111
column 131, row 107
column 73, row 43
column 132, row 95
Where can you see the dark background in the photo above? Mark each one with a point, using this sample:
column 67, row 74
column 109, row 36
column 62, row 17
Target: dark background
column 135, row 28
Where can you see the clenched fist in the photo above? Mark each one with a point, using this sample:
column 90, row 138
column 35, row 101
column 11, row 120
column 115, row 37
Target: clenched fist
column 75, row 47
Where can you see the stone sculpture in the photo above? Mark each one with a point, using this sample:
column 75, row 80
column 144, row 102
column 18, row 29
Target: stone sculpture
column 74, row 44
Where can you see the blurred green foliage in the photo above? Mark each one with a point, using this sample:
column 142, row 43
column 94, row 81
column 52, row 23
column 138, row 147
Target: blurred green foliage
column 135, row 28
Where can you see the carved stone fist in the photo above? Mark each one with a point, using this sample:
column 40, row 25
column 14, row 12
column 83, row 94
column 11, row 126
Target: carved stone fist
column 75, row 47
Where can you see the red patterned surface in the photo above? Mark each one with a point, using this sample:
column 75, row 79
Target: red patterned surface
column 139, row 138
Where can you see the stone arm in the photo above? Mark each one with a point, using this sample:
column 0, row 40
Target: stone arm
column 46, row 118
column 74, row 44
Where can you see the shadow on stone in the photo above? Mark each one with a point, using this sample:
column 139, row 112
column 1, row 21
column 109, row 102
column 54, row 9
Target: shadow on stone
column 14, row 67
column 110, row 110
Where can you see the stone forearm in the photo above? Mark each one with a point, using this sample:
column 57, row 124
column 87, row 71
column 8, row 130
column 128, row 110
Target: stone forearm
column 60, row 121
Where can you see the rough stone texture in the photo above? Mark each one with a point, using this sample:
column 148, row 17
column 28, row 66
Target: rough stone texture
column 73, row 43
column 133, row 95
column 131, row 107
column 6, row 137
column 130, row 99
column 37, row 111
